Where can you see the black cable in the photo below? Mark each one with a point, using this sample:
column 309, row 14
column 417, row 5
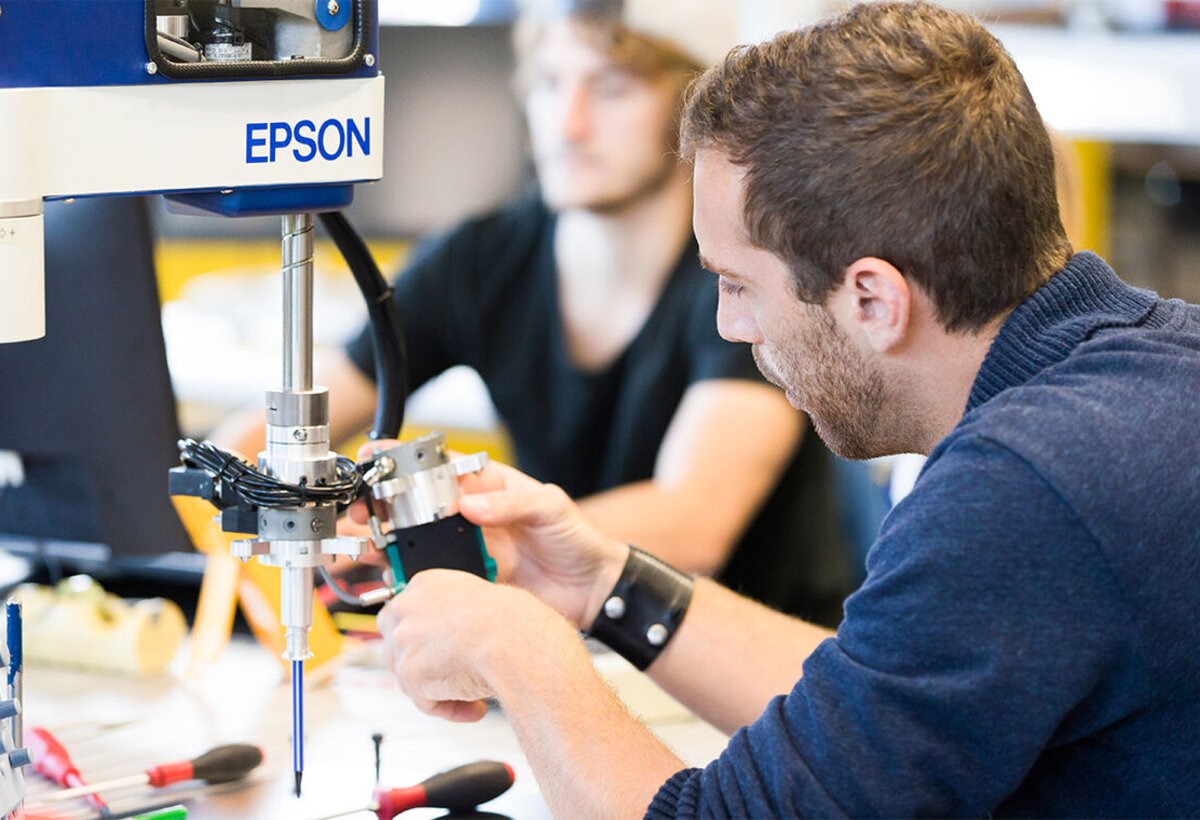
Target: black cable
column 261, row 490
column 391, row 360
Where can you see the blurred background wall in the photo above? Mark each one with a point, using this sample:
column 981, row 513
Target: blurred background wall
column 1117, row 77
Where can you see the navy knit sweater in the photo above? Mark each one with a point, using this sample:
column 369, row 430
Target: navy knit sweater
column 1028, row 638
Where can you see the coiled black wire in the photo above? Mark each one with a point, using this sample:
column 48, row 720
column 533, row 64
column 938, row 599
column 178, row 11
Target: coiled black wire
column 261, row 490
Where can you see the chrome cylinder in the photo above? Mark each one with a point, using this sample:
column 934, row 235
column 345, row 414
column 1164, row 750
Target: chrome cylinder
column 297, row 302
column 420, row 483
column 296, row 591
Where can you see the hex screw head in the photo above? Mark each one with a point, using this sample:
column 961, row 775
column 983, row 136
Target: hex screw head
column 317, row 525
column 300, row 435
column 152, row 67
column 369, row 59
column 333, row 8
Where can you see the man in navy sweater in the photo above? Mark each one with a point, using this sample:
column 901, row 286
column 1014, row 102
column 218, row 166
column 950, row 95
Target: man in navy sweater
column 876, row 196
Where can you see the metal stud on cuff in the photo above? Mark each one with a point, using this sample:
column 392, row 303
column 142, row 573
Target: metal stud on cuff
column 656, row 634
column 614, row 607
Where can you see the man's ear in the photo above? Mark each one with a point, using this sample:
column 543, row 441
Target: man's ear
column 881, row 301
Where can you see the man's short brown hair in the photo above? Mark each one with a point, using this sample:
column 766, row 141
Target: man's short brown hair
column 651, row 58
column 897, row 130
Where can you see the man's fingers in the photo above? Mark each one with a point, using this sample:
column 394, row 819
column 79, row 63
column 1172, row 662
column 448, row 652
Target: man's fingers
column 458, row 711
column 496, row 476
column 368, row 450
column 358, row 512
column 542, row 505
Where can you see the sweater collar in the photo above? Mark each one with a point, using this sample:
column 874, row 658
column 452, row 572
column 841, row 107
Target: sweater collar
column 1082, row 298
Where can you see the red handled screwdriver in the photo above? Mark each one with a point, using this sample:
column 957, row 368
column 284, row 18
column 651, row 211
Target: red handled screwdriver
column 219, row 765
column 51, row 761
column 460, row 789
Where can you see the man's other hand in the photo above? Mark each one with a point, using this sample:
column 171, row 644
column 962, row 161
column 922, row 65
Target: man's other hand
column 449, row 634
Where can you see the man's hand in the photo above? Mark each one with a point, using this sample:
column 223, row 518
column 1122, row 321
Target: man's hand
column 449, row 635
column 538, row 536
column 542, row 542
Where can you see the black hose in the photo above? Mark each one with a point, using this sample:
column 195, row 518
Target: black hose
column 387, row 337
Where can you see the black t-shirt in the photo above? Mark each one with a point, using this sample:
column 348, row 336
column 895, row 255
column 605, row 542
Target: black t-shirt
column 486, row 295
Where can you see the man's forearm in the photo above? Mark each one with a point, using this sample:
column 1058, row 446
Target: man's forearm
column 676, row 525
column 748, row 654
column 590, row 756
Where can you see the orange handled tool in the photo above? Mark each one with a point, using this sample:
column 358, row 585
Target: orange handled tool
column 50, row 760
column 219, row 765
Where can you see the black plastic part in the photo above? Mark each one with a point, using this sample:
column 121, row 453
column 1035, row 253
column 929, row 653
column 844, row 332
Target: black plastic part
column 465, row 787
column 227, row 763
column 364, row 13
column 391, row 361
column 191, row 481
column 239, row 519
column 450, row 543
column 196, row 482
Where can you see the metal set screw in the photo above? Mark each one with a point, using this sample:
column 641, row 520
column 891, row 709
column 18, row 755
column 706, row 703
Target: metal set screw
column 369, row 59
column 151, row 68
column 333, row 8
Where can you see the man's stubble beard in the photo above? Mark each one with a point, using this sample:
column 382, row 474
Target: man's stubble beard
column 649, row 186
column 840, row 389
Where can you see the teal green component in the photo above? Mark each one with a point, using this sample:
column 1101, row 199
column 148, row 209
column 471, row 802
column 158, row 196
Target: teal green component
column 489, row 563
column 169, row 813
column 400, row 580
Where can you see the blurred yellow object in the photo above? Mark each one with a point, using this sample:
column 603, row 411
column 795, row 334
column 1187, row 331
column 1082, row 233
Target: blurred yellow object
column 179, row 260
column 356, row 622
column 77, row 623
column 226, row 582
column 1095, row 177
column 496, row 442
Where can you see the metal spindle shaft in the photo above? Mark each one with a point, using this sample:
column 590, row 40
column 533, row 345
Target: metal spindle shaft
column 297, row 302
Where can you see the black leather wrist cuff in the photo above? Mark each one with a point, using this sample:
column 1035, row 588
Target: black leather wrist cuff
column 644, row 609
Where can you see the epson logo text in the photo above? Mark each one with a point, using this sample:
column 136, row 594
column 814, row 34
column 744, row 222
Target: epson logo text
column 332, row 139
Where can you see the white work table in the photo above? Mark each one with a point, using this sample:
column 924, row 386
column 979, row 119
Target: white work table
column 116, row 726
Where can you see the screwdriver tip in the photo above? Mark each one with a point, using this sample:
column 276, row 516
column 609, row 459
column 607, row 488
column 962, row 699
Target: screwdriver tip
column 299, row 777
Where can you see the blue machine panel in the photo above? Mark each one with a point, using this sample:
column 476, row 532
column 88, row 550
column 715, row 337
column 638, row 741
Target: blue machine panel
column 90, row 43
column 263, row 201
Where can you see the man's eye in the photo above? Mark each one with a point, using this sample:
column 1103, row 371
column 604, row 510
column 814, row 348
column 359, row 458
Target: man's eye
column 729, row 287
column 612, row 84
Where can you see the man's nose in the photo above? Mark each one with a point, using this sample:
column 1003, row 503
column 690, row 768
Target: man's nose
column 576, row 113
column 736, row 321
